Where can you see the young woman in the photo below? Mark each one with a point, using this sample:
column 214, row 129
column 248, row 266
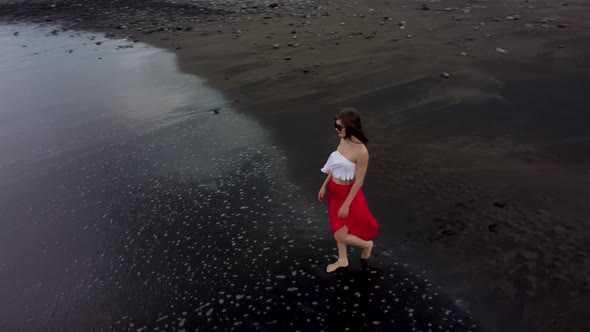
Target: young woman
column 351, row 220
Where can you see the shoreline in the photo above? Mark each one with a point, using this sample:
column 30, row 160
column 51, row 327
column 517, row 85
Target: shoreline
column 469, row 185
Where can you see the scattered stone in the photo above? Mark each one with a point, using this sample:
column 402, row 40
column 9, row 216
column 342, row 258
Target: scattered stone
column 215, row 110
column 99, row 43
column 287, row 59
column 500, row 50
column 273, row 5
column 409, row 36
column 452, row 228
column 15, row 34
column 276, row 46
column 562, row 25
column 464, row 53
column 493, row 228
column 445, row 75
column 501, row 203
column 425, row 7
column 561, row 46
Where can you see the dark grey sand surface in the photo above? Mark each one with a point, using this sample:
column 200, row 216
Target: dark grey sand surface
column 480, row 180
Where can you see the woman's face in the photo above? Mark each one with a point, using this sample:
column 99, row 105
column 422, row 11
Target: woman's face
column 339, row 126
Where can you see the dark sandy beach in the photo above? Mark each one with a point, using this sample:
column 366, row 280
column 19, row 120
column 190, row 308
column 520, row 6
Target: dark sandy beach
column 478, row 121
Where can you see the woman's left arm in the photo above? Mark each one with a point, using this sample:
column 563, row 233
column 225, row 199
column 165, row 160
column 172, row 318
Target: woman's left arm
column 362, row 163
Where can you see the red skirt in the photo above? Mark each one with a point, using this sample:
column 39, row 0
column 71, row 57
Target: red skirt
column 360, row 221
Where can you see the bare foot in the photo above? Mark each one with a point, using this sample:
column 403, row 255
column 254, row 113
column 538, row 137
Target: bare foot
column 338, row 264
column 366, row 253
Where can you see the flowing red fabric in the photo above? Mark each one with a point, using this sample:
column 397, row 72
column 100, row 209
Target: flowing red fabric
column 360, row 221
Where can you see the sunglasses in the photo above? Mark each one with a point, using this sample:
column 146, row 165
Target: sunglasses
column 338, row 127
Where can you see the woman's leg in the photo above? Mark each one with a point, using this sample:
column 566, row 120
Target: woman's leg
column 342, row 236
column 342, row 258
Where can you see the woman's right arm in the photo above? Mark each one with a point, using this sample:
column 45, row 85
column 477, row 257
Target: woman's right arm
column 328, row 178
column 323, row 188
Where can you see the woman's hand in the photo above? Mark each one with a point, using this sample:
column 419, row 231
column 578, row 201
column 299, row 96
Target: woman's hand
column 321, row 194
column 343, row 212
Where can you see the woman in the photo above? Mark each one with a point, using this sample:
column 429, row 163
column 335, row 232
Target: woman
column 351, row 220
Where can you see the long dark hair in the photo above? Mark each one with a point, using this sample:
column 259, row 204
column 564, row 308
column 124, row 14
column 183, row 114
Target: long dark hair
column 351, row 119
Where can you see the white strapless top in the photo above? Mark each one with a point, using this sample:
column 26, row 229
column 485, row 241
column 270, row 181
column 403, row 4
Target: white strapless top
column 340, row 167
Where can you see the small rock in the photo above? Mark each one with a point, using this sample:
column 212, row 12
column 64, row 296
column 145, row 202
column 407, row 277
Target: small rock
column 493, row 228
column 562, row 25
column 501, row 204
column 215, row 110
column 276, row 46
column 464, row 53
column 99, row 43
column 445, row 75
column 409, row 36
column 15, row 34
column 500, row 50
column 273, row 5
column 561, row 46
column 287, row 59
column 425, row 7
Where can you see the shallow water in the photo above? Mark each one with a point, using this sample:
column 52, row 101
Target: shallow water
column 128, row 203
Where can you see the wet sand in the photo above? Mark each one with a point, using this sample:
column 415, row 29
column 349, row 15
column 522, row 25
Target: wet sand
column 480, row 178
column 173, row 213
